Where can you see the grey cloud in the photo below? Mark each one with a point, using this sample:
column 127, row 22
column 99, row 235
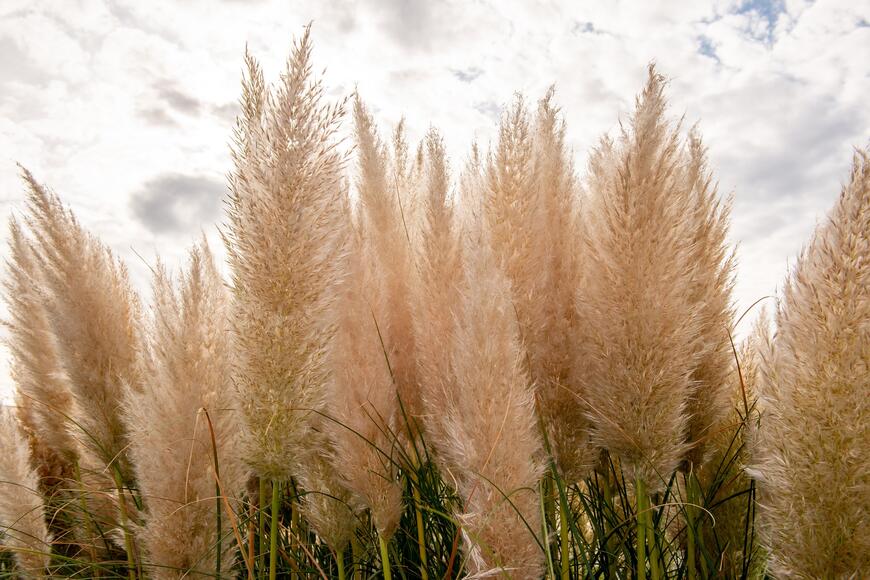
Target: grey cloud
column 806, row 160
column 178, row 100
column 489, row 109
column 788, row 165
column 171, row 101
column 174, row 203
column 227, row 111
column 467, row 75
column 407, row 21
column 157, row 116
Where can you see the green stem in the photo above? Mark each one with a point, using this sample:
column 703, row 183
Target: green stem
column 385, row 558
column 544, row 526
column 90, row 525
column 654, row 555
column 261, row 516
column 563, row 535
column 294, row 526
column 273, row 531
column 691, row 565
column 609, row 551
column 549, row 491
column 339, row 562
column 421, row 532
column 356, row 556
column 642, row 508
column 128, row 536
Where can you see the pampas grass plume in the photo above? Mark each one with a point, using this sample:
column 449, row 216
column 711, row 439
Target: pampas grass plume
column 187, row 372
column 711, row 297
column 814, row 439
column 638, row 341
column 94, row 317
column 22, row 521
column 36, row 369
column 284, row 238
column 493, row 445
column 364, row 401
column 387, row 248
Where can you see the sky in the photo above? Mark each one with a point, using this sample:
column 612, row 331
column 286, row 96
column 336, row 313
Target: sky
column 126, row 108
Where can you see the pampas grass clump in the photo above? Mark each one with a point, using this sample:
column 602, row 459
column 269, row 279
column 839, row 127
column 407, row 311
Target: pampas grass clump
column 812, row 447
column 519, row 373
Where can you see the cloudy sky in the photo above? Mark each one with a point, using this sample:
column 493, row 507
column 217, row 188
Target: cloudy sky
column 126, row 108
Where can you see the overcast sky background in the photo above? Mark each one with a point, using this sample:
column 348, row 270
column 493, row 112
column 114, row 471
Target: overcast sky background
column 126, row 108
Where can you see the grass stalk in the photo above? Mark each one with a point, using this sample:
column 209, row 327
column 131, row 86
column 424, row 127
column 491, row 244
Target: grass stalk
column 261, row 513
column 273, row 531
column 90, row 526
column 125, row 519
column 251, row 540
column 563, row 538
column 691, row 498
column 355, row 551
column 421, row 531
column 218, row 494
column 642, row 508
column 295, row 528
column 655, row 557
column 339, row 563
column 385, row 558
column 546, row 529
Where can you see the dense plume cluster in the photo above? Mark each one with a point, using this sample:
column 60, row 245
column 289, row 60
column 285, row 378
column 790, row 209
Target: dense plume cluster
column 546, row 358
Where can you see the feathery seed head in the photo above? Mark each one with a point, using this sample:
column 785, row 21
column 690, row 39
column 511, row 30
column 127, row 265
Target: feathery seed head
column 187, row 374
column 285, row 238
column 639, row 340
column 22, row 518
column 812, row 446
column 493, row 448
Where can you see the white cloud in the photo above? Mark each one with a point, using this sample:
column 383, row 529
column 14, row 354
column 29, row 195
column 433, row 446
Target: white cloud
column 102, row 99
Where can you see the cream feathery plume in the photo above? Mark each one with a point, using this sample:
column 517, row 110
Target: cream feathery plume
column 94, row 316
column 364, row 401
column 549, row 339
column 511, row 211
column 36, row 367
column 387, row 249
column 285, row 238
column 711, row 296
column 186, row 398
column 22, row 517
column 436, row 289
column 812, row 447
column 493, row 447
column 327, row 504
column 638, row 331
